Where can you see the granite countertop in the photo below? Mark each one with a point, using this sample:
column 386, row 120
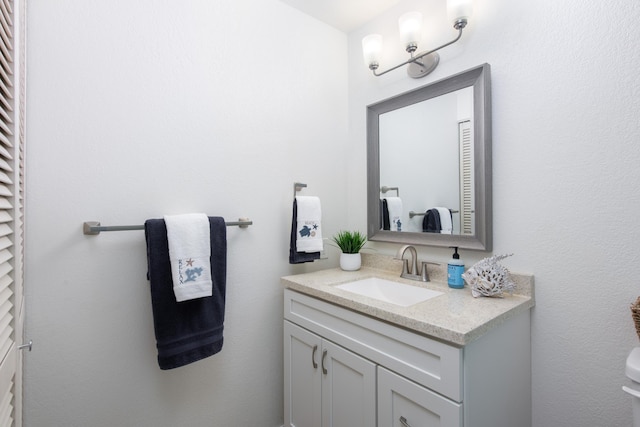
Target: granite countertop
column 455, row 316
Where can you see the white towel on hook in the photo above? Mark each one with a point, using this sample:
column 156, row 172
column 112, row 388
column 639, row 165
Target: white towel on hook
column 446, row 227
column 309, row 227
column 189, row 240
column 394, row 206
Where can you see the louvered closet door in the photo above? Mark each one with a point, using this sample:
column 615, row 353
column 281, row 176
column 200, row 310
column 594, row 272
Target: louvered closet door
column 11, row 211
column 467, row 188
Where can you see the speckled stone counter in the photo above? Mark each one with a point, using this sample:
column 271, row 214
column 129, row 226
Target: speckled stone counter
column 455, row 317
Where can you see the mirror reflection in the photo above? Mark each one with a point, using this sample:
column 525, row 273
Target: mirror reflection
column 429, row 164
column 435, row 138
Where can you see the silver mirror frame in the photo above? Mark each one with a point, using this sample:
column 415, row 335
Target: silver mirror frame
column 480, row 79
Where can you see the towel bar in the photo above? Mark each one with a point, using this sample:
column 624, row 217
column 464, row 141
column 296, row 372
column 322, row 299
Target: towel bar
column 384, row 189
column 412, row 213
column 92, row 228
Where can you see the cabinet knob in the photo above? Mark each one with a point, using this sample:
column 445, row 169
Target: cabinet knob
column 404, row 422
column 313, row 357
column 324, row 354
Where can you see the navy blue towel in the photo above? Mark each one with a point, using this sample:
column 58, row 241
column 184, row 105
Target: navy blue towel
column 386, row 224
column 190, row 330
column 431, row 221
column 296, row 257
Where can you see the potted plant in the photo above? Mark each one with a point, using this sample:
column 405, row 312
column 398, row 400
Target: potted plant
column 350, row 243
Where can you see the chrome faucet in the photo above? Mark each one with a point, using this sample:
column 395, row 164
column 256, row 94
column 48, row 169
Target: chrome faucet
column 413, row 273
column 410, row 273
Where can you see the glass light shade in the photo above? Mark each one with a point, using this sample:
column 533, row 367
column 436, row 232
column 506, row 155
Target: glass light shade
column 410, row 25
column 371, row 48
column 459, row 9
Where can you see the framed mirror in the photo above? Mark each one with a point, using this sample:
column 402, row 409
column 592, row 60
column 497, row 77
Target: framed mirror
column 429, row 164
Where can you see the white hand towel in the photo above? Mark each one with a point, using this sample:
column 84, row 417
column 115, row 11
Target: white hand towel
column 394, row 206
column 309, row 228
column 446, row 227
column 189, row 242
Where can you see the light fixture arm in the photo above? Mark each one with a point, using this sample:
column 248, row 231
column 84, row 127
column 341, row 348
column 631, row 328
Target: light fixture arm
column 458, row 25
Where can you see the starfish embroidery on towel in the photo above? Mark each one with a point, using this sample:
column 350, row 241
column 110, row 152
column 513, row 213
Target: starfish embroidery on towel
column 190, row 262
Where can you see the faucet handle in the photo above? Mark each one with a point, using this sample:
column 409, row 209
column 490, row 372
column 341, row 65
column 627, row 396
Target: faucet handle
column 425, row 274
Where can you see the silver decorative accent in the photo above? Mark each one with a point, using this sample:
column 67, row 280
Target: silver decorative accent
column 488, row 278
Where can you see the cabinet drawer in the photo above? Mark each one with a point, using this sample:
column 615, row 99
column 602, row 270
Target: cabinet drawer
column 401, row 399
column 428, row 362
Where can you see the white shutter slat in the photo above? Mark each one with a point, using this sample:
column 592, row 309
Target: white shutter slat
column 4, row 165
column 4, row 114
column 5, row 289
column 6, row 316
column 5, row 255
column 5, row 216
column 5, row 191
column 6, row 85
column 3, row 151
column 5, row 75
column 6, row 408
column 5, row 21
column 5, row 128
column 5, row 269
column 5, row 178
column 6, row 65
column 6, row 385
column 6, row 340
column 5, row 204
column 5, row 141
column 5, row 230
column 5, row 47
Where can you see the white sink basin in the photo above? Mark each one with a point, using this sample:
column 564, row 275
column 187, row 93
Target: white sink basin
column 388, row 291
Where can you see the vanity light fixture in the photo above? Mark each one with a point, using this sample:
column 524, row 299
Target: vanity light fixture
column 422, row 63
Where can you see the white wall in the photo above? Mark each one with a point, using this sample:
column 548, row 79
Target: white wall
column 141, row 108
column 565, row 177
column 136, row 109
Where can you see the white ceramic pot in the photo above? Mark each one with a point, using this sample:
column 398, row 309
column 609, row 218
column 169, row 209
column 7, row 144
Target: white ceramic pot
column 350, row 262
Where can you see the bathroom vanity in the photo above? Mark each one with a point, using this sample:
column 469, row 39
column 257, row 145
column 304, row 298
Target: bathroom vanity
column 452, row 360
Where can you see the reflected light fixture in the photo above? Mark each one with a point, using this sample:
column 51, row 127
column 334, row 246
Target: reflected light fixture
column 422, row 63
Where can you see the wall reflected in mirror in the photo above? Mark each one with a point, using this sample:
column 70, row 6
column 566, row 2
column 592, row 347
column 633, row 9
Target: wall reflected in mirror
column 434, row 138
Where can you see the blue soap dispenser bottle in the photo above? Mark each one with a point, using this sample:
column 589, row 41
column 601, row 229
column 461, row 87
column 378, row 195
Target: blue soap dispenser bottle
column 455, row 268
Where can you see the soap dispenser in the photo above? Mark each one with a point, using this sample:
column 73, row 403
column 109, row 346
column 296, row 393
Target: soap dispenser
column 455, row 268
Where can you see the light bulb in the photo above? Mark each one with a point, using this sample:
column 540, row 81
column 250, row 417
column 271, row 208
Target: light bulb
column 459, row 9
column 371, row 48
column 410, row 25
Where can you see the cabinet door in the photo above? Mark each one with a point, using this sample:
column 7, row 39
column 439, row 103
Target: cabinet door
column 302, row 377
column 403, row 403
column 348, row 388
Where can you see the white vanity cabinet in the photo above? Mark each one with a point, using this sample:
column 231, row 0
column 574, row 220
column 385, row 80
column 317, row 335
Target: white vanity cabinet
column 327, row 385
column 346, row 369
